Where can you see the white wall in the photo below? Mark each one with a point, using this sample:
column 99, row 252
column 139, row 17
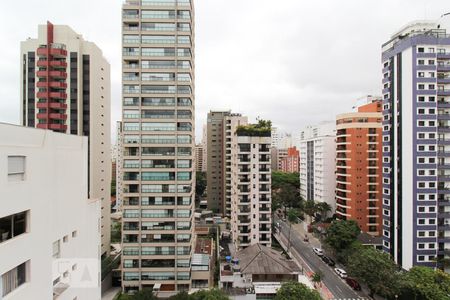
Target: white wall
column 55, row 194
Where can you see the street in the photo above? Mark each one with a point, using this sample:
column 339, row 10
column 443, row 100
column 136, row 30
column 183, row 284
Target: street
column 335, row 284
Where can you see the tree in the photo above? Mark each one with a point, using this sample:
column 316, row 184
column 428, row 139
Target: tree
column 292, row 218
column 296, row 291
column 180, row 296
column 376, row 269
column 145, row 294
column 280, row 179
column 214, row 294
column 200, row 183
column 423, row 283
column 310, row 208
column 323, row 208
column 116, row 232
column 317, row 277
column 341, row 234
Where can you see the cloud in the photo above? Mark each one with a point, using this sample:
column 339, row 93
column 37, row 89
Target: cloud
column 295, row 62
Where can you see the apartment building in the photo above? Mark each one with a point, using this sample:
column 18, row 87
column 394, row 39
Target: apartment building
column 65, row 87
column 416, row 143
column 291, row 162
column 317, row 163
column 358, row 166
column 50, row 229
column 158, row 145
column 251, row 189
column 200, row 158
column 221, row 128
column 119, row 165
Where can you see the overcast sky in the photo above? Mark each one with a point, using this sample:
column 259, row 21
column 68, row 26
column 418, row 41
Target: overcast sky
column 294, row 62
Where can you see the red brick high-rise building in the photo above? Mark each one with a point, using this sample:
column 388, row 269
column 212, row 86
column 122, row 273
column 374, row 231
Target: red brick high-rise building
column 358, row 167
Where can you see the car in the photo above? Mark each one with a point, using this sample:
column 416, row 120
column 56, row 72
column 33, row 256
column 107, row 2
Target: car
column 318, row 251
column 328, row 261
column 353, row 283
column 341, row 273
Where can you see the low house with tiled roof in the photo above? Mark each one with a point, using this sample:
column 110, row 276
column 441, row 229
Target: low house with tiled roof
column 259, row 270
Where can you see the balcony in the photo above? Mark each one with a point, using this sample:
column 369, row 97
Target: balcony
column 58, row 74
column 58, row 95
column 58, row 105
column 443, row 92
column 41, row 95
column 61, row 127
column 57, row 52
column 58, row 116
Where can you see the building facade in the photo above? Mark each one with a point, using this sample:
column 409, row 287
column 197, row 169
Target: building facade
column 290, row 163
column 317, row 163
column 200, row 158
column 358, row 167
column 221, row 137
column 251, row 191
column 416, row 147
column 49, row 230
column 158, row 145
column 65, row 87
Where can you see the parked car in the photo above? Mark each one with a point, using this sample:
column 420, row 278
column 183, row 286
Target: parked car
column 341, row 273
column 328, row 261
column 353, row 283
column 318, row 251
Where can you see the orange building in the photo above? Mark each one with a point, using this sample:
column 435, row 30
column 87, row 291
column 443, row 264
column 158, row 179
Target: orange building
column 358, row 167
column 290, row 163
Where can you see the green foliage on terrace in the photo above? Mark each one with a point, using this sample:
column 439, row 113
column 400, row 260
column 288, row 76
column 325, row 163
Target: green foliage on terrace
column 262, row 128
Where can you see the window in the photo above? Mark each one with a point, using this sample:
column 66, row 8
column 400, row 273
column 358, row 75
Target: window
column 65, row 238
column 12, row 226
column 56, row 249
column 74, row 233
column 16, row 168
column 14, row 278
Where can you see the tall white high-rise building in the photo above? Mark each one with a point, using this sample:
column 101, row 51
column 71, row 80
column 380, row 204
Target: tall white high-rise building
column 65, row 87
column 251, row 198
column 49, row 227
column 158, row 145
column 317, row 163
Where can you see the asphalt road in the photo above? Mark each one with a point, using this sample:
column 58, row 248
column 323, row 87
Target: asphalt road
column 334, row 283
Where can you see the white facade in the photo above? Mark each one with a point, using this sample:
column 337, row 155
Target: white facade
column 251, row 191
column 82, row 88
column 119, row 166
column 45, row 176
column 317, row 163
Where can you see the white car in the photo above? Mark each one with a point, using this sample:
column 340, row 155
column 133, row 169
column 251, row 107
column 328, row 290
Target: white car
column 318, row 251
column 341, row 273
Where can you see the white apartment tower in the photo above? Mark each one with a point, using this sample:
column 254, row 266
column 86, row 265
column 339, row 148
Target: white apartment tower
column 158, row 145
column 317, row 163
column 65, row 87
column 49, row 229
column 251, row 189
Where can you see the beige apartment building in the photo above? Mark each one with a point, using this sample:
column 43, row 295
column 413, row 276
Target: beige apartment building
column 158, row 145
column 221, row 127
column 65, row 87
column 251, row 190
column 200, row 158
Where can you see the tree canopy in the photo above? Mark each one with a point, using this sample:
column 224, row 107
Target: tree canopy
column 279, row 179
column 200, row 183
column 376, row 269
column 296, row 291
column 341, row 234
column 423, row 283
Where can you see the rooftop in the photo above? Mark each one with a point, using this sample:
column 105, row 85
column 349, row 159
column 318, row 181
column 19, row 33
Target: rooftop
column 259, row 259
column 367, row 239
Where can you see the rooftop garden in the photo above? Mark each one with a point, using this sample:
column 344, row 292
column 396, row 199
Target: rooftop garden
column 262, row 128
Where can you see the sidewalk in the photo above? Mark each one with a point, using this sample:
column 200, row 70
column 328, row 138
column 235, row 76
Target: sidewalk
column 111, row 293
